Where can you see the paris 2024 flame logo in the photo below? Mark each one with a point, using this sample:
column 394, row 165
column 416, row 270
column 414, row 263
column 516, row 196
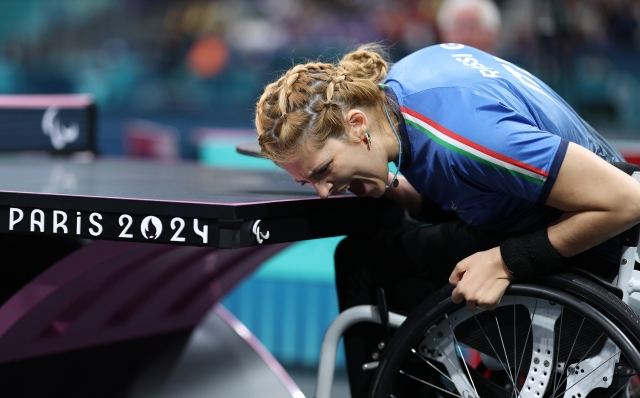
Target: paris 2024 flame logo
column 59, row 134
column 156, row 230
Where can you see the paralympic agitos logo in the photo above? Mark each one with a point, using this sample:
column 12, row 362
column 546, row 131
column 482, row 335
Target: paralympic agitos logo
column 59, row 134
column 107, row 225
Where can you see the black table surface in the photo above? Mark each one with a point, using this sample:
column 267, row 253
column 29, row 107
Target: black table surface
column 180, row 203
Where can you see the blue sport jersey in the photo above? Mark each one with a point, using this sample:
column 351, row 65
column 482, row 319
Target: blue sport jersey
column 484, row 137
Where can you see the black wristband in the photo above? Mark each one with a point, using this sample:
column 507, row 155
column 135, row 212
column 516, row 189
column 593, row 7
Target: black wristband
column 531, row 255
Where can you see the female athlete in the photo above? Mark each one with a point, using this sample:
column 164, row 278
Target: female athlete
column 511, row 181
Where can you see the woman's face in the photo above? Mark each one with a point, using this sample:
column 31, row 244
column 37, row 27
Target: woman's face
column 340, row 166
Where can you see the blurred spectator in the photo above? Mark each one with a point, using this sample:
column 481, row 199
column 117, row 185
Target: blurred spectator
column 472, row 22
column 211, row 58
column 208, row 56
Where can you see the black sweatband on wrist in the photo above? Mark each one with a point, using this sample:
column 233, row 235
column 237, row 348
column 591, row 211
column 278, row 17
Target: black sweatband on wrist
column 531, row 255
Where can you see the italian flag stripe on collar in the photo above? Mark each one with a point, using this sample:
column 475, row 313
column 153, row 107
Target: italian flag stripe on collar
column 470, row 149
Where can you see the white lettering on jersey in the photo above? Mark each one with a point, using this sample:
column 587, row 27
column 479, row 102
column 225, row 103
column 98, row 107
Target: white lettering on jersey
column 468, row 61
column 524, row 76
column 452, row 46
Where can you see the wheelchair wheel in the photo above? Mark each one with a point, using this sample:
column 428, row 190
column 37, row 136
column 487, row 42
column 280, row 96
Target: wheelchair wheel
column 543, row 341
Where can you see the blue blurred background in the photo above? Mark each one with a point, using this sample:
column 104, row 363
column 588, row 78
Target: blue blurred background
column 195, row 63
column 178, row 80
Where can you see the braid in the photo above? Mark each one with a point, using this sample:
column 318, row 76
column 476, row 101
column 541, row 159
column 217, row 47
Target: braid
column 308, row 103
column 366, row 63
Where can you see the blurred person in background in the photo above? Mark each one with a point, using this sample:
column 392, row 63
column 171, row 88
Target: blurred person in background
column 475, row 23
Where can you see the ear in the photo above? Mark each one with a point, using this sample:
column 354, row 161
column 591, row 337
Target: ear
column 358, row 124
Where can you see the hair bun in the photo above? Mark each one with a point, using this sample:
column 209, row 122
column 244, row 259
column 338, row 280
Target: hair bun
column 366, row 62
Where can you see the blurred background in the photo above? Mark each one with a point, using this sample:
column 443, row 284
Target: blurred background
column 179, row 79
column 195, row 63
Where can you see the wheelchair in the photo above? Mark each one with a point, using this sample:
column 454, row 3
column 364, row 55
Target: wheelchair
column 567, row 335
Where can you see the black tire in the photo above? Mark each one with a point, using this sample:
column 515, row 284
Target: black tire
column 600, row 299
column 578, row 298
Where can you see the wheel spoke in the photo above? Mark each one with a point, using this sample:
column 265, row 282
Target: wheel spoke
column 566, row 363
column 491, row 344
column 568, row 356
column 506, row 356
column 555, row 373
column 515, row 349
column 402, row 372
column 535, row 307
column 565, row 373
column 437, row 370
column 456, row 366
column 617, row 391
column 458, row 351
column 583, row 377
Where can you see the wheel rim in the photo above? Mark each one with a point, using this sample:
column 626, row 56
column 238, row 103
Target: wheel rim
column 588, row 361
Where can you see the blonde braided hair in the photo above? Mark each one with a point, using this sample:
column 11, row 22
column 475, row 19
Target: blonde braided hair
column 309, row 102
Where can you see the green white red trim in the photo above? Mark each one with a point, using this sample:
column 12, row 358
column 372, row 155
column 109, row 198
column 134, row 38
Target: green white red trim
column 472, row 150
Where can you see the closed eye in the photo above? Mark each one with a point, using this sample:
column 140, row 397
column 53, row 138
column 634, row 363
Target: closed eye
column 323, row 169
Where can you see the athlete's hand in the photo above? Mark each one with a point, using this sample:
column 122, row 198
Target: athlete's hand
column 481, row 280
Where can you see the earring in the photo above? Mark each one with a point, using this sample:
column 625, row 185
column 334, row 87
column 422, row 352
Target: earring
column 367, row 140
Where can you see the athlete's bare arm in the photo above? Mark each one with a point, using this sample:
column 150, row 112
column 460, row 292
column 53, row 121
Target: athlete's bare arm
column 599, row 202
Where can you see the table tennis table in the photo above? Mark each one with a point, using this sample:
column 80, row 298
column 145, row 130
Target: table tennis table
column 161, row 244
